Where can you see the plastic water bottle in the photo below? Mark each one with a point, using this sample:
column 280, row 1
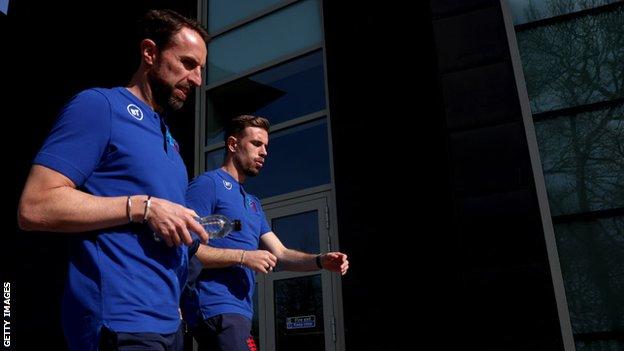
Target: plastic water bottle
column 216, row 225
column 219, row 226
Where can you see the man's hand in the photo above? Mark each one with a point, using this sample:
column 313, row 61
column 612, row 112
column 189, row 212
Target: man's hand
column 172, row 222
column 335, row 262
column 261, row 261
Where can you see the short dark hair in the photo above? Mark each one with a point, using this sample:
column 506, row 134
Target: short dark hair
column 237, row 124
column 161, row 25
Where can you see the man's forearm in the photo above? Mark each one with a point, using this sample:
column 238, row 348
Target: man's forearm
column 293, row 260
column 65, row 209
column 212, row 257
column 51, row 202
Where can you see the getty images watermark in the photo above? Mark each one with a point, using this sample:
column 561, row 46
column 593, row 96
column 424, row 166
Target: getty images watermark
column 6, row 314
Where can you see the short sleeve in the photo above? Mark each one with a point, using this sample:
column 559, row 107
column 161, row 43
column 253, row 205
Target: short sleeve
column 80, row 137
column 200, row 195
column 264, row 224
column 201, row 198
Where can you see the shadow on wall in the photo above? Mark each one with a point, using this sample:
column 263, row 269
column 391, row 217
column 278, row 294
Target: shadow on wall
column 51, row 51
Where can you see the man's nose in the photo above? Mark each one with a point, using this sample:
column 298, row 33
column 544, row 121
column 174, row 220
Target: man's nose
column 196, row 76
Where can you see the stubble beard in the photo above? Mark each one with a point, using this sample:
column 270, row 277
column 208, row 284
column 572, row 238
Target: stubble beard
column 162, row 93
column 248, row 171
column 251, row 172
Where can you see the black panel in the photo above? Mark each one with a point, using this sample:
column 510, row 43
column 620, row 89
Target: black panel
column 500, row 229
column 391, row 176
column 471, row 39
column 510, row 309
column 480, row 96
column 506, row 300
column 492, row 159
column 450, row 7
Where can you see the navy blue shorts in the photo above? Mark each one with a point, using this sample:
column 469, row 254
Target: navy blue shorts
column 225, row 332
column 113, row 341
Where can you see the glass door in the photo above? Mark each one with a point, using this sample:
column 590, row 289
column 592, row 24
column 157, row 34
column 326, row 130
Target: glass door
column 296, row 309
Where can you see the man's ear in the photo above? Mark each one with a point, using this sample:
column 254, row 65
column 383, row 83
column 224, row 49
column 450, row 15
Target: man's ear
column 232, row 143
column 149, row 51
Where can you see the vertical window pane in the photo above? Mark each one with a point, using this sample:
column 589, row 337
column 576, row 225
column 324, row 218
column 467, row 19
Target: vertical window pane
column 281, row 93
column 255, row 325
column 222, row 13
column 295, row 28
column 299, row 314
column 214, row 159
column 298, row 232
column 575, row 62
column 298, row 158
column 525, row 11
column 592, row 262
column 583, row 160
column 600, row 345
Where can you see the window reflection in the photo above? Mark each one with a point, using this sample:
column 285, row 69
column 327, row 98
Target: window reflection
column 525, row 11
column 583, row 160
column 298, row 159
column 599, row 345
column 592, row 262
column 284, row 92
column 222, row 13
column 298, row 232
column 575, row 62
column 299, row 314
column 571, row 63
column 285, row 32
column 214, row 159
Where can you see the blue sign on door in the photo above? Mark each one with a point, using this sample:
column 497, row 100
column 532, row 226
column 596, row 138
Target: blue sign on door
column 300, row 322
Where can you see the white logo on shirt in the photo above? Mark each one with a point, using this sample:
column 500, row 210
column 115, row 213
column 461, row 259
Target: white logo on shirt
column 135, row 111
column 227, row 185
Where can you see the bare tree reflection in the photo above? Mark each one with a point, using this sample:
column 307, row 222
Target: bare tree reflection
column 570, row 63
column 524, row 11
column 583, row 160
column 592, row 259
column 574, row 62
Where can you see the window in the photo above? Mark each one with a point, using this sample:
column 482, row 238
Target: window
column 276, row 36
column 572, row 65
column 298, row 159
column 293, row 89
column 592, row 260
column 525, row 11
column 583, row 160
column 574, row 62
column 223, row 13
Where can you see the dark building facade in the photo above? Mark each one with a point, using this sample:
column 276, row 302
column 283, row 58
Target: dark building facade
column 464, row 154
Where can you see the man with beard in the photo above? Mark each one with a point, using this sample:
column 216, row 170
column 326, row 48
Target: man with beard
column 110, row 174
column 218, row 305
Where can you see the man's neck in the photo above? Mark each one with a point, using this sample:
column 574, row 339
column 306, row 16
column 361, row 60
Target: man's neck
column 140, row 88
column 230, row 169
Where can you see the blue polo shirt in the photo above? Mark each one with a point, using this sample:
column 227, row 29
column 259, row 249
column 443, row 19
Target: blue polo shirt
column 109, row 143
column 230, row 289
